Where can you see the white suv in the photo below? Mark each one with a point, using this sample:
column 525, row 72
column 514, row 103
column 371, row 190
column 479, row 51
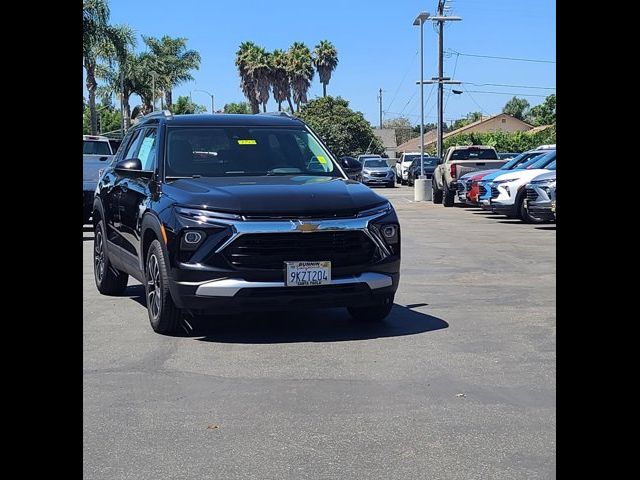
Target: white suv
column 403, row 164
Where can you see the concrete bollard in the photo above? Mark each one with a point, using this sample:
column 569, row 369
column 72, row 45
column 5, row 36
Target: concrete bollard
column 422, row 190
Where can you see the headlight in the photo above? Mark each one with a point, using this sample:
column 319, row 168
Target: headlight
column 385, row 208
column 205, row 216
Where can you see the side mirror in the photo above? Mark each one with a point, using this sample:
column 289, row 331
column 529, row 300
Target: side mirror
column 132, row 167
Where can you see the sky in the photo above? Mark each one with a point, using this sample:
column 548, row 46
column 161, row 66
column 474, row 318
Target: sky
column 378, row 47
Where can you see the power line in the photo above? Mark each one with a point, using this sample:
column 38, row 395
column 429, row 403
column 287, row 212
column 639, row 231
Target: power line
column 482, row 110
column 403, row 78
column 506, row 93
column 503, row 58
column 505, row 85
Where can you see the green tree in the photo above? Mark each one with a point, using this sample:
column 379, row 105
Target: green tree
column 239, row 107
column 517, row 107
column 247, row 83
column 545, row 113
column 172, row 62
column 108, row 119
column 300, row 72
column 344, row 131
column 184, row 105
column 258, row 67
column 279, row 61
column 325, row 59
column 100, row 41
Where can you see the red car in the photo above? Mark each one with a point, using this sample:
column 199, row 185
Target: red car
column 472, row 190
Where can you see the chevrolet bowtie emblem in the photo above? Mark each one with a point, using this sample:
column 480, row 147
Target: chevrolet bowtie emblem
column 305, row 227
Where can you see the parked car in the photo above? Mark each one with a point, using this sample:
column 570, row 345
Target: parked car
column 507, row 190
column 232, row 213
column 403, row 164
column 469, row 184
column 540, row 195
column 522, row 161
column 352, row 167
column 96, row 154
column 456, row 162
column 376, row 171
column 507, row 156
column 428, row 166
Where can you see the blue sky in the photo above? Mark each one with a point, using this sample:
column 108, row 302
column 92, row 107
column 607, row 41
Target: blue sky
column 377, row 47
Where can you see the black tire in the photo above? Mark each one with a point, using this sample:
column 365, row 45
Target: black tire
column 410, row 182
column 436, row 194
column 391, row 185
column 164, row 316
column 398, row 179
column 109, row 280
column 524, row 214
column 448, row 197
column 403, row 182
column 372, row 314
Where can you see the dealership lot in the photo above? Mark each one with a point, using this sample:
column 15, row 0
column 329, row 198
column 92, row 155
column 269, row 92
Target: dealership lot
column 458, row 382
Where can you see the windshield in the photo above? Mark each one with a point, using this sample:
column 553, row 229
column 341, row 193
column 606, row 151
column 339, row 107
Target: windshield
column 92, row 147
column 410, row 158
column 543, row 161
column 474, row 153
column 364, row 157
column 244, row 151
column 426, row 162
column 531, row 160
column 551, row 166
column 375, row 163
column 520, row 159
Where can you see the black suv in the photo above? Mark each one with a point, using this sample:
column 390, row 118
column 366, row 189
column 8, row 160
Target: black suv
column 231, row 213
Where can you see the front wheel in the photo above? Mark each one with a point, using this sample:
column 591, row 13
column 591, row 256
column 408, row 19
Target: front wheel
column 164, row 316
column 525, row 215
column 372, row 314
column 398, row 179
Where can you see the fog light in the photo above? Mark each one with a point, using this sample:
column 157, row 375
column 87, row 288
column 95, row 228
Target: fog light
column 192, row 238
column 389, row 231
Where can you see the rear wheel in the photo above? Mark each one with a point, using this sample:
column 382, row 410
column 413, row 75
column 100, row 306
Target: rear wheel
column 109, row 280
column 448, row 197
column 436, row 194
column 164, row 316
column 372, row 314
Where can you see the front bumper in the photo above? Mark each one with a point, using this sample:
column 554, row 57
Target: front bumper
column 498, row 207
column 209, row 282
column 543, row 210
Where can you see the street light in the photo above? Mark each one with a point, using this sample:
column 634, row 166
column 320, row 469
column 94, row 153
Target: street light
column 210, row 94
column 419, row 21
column 153, row 87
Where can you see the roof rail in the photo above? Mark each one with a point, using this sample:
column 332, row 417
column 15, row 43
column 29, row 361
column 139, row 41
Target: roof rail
column 158, row 113
column 276, row 114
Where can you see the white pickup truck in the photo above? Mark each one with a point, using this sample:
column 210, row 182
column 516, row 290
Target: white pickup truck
column 457, row 162
column 96, row 154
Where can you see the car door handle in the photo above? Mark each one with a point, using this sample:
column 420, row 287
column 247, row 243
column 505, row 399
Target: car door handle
column 124, row 186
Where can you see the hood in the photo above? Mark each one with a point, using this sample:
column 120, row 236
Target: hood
column 288, row 195
column 550, row 175
column 522, row 175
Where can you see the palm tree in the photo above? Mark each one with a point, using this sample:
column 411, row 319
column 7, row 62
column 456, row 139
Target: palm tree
column 173, row 62
column 300, row 72
column 325, row 59
column 259, row 69
column 280, row 78
column 246, row 79
column 133, row 80
column 100, row 41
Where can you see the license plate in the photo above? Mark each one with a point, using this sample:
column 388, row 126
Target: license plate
column 305, row 274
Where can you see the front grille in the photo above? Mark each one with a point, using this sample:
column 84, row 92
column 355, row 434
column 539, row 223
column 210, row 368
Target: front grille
column 482, row 190
column 461, row 187
column 269, row 251
column 494, row 192
column 469, row 183
column 532, row 195
column 378, row 174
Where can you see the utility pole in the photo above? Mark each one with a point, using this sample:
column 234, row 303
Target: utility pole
column 380, row 99
column 440, row 86
column 441, row 18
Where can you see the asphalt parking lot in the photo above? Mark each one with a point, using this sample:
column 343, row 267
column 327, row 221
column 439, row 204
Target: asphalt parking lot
column 458, row 383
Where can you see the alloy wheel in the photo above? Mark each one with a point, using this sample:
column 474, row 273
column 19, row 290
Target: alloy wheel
column 153, row 286
column 98, row 255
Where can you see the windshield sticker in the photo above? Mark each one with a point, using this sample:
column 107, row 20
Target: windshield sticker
column 246, row 142
column 322, row 160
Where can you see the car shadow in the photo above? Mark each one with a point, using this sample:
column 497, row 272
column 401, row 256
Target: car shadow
column 546, row 227
column 321, row 325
